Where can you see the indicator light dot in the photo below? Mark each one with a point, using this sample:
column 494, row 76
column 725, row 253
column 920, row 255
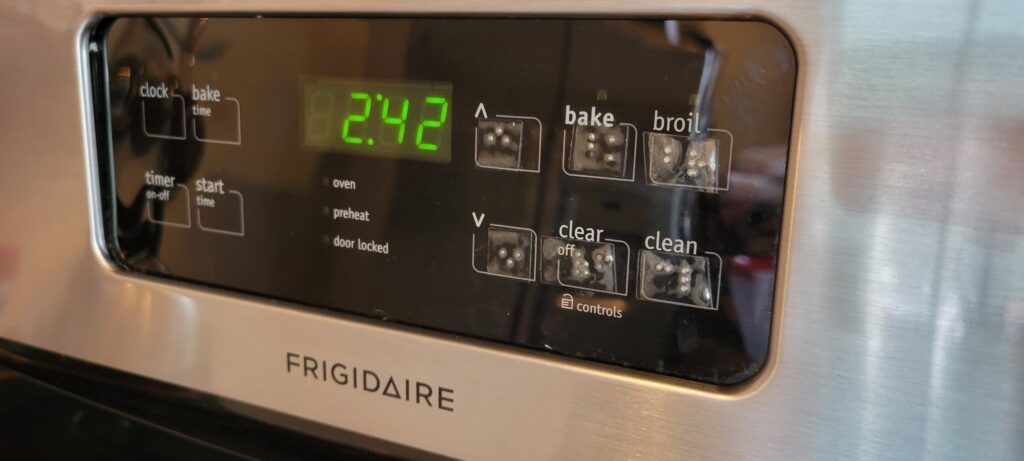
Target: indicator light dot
column 369, row 141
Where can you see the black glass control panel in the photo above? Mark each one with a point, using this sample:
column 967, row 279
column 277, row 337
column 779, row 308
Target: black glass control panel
column 605, row 189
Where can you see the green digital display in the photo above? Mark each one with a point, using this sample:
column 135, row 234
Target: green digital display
column 409, row 120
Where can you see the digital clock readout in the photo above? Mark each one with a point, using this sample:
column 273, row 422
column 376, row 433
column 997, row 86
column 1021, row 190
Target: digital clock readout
column 409, row 120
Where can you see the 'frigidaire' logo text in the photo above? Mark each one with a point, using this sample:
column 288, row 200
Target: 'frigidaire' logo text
column 339, row 374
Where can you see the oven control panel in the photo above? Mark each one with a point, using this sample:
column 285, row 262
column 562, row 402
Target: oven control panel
column 604, row 189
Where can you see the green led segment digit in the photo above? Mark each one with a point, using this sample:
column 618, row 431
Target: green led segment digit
column 386, row 119
column 355, row 118
column 398, row 121
column 321, row 109
column 434, row 123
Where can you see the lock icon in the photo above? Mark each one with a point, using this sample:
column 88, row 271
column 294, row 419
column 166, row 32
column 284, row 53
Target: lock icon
column 567, row 301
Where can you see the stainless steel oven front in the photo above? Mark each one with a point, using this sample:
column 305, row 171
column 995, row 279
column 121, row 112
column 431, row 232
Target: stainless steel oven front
column 559, row 230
